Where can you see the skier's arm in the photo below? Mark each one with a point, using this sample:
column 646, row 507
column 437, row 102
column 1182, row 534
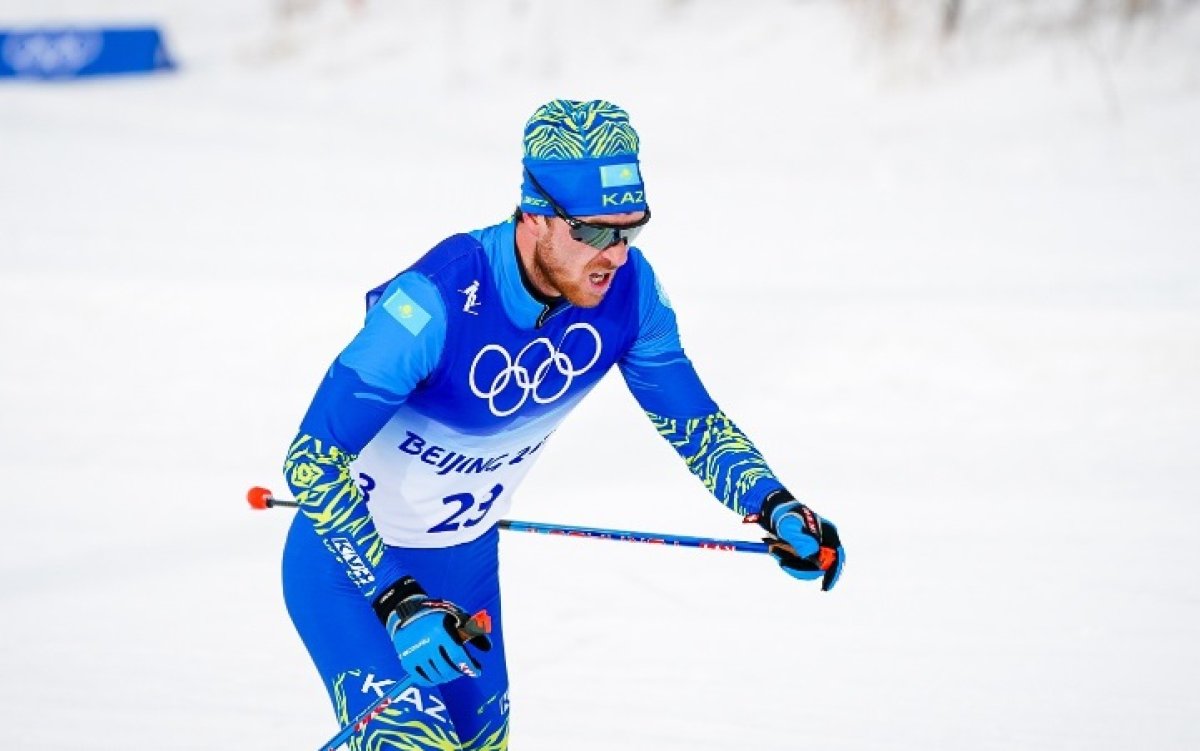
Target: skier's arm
column 399, row 344
column 662, row 379
column 665, row 384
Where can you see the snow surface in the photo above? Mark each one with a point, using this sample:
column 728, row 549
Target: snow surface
column 951, row 289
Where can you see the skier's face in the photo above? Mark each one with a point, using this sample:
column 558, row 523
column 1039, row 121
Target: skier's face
column 565, row 266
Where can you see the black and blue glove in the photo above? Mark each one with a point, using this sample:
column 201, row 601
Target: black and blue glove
column 431, row 635
column 805, row 545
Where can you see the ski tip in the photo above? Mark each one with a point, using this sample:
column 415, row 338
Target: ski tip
column 259, row 497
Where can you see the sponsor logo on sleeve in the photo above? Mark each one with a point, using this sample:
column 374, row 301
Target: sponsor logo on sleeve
column 355, row 568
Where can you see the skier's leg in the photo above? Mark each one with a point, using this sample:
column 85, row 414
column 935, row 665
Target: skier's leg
column 469, row 575
column 358, row 663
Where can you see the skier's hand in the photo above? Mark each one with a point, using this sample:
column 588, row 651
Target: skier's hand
column 431, row 635
column 806, row 546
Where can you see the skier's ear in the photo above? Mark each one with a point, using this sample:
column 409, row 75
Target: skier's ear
column 536, row 223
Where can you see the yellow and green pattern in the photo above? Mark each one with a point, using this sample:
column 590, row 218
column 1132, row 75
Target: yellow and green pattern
column 489, row 740
column 403, row 727
column 717, row 452
column 567, row 129
column 318, row 474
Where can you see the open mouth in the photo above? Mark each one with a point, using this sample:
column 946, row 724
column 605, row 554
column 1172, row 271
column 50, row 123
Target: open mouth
column 600, row 278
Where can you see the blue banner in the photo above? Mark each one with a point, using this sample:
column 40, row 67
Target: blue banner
column 73, row 52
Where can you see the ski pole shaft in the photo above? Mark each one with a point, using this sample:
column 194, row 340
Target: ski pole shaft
column 355, row 726
column 626, row 535
column 261, row 498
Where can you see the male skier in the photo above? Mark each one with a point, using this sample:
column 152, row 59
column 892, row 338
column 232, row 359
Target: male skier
column 428, row 420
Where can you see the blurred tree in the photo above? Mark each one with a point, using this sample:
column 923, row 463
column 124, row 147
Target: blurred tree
column 892, row 18
column 950, row 15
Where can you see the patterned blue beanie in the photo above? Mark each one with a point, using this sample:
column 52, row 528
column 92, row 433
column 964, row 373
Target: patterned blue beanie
column 585, row 156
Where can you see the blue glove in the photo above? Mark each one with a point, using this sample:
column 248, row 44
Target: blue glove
column 805, row 545
column 430, row 635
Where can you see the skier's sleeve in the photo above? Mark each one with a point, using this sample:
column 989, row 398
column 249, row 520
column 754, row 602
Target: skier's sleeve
column 661, row 377
column 400, row 344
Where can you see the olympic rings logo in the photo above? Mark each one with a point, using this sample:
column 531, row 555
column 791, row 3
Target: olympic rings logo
column 517, row 371
column 51, row 53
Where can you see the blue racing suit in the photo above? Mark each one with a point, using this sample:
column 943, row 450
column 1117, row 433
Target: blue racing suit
column 420, row 432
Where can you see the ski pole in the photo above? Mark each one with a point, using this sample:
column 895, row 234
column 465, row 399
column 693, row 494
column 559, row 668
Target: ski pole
column 626, row 535
column 476, row 625
column 356, row 725
column 261, row 498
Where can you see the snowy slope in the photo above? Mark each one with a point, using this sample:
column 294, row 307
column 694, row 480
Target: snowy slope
column 952, row 292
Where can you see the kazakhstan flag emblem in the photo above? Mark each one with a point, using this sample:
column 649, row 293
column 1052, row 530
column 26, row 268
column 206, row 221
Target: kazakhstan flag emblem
column 619, row 175
column 410, row 315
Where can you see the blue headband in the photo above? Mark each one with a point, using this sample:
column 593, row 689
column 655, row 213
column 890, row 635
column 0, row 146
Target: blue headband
column 585, row 156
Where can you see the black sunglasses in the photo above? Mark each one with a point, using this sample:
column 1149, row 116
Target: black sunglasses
column 599, row 236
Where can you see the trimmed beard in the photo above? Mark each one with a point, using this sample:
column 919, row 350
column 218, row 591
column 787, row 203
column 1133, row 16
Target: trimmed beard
column 559, row 279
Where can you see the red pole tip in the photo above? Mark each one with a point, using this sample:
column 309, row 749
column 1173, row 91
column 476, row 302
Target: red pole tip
column 259, row 498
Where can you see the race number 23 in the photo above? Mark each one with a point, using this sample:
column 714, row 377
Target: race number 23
column 464, row 503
